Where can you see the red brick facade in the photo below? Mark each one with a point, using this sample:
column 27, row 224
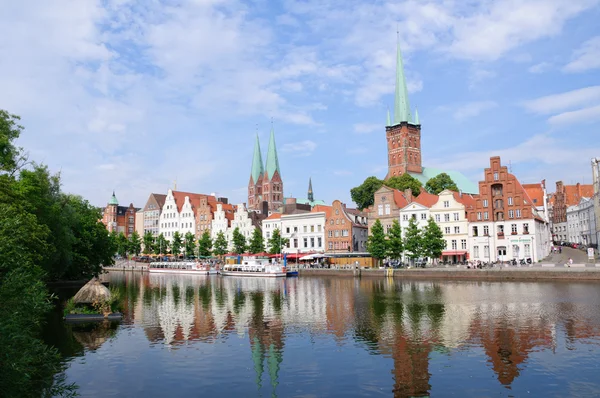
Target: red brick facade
column 119, row 218
column 501, row 196
column 404, row 149
column 341, row 226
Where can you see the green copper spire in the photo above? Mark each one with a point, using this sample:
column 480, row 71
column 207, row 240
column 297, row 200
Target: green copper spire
column 272, row 160
column 310, row 191
column 401, row 105
column 257, row 163
column 417, row 122
column 113, row 200
column 389, row 121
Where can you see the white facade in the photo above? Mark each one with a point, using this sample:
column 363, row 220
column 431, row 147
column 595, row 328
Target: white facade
column 449, row 214
column 187, row 219
column 505, row 240
column 219, row 223
column 560, row 232
column 581, row 223
column 415, row 210
column 269, row 225
column 596, row 199
column 169, row 218
column 241, row 220
column 305, row 232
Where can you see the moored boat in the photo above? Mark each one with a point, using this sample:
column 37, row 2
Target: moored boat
column 254, row 267
column 182, row 267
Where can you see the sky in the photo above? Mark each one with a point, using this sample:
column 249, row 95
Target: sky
column 133, row 95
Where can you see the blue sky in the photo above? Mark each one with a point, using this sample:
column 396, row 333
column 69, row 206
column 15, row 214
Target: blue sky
column 133, row 94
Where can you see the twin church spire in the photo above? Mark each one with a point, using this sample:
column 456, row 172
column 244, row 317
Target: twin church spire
column 402, row 111
column 265, row 178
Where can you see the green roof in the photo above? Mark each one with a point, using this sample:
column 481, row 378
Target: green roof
column 113, row 200
column 257, row 164
column 463, row 183
column 272, row 160
column 401, row 104
column 303, row 201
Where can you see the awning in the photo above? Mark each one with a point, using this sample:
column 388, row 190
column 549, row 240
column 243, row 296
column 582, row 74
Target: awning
column 309, row 257
column 454, row 252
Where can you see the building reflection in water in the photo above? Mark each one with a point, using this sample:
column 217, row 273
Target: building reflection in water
column 408, row 322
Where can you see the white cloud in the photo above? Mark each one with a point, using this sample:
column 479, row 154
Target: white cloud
column 540, row 67
column 585, row 115
column 473, row 109
column 563, row 101
column 585, row 57
column 302, row 148
column 366, row 128
column 500, row 26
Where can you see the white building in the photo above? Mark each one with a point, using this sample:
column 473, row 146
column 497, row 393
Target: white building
column 269, row 225
column 418, row 209
column 581, row 223
column 305, row 232
column 450, row 213
column 220, row 222
column 596, row 198
column 178, row 213
column 243, row 221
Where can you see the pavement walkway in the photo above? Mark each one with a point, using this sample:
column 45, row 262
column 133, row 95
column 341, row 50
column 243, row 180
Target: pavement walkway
column 578, row 256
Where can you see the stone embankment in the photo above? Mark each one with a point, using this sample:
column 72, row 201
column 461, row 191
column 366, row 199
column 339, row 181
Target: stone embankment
column 544, row 272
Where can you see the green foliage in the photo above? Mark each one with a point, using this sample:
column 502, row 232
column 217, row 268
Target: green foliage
column 176, row 243
column 135, row 244
column 220, row 244
column 276, row 242
column 205, row 243
column 404, row 182
column 190, row 244
column 437, row 184
column 239, row 241
column 161, row 246
column 10, row 155
column 376, row 242
column 27, row 365
column 433, row 240
column 256, row 242
column 148, row 240
column 363, row 195
column 413, row 240
column 394, row 243
column 122, row 244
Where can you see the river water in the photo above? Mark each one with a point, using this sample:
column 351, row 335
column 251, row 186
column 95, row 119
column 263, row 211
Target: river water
column 187, row 336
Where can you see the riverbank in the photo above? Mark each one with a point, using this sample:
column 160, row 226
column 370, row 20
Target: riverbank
column 536, row 272
column 500, row 274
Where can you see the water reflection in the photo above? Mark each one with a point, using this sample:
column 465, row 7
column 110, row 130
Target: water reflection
column 429, row 335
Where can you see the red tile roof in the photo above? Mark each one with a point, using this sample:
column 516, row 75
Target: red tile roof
column 399, row 199
column 467, row 200
column 273, row 216
column 324, row 208
column 574, row 193
column 426, row 199
column 194, row 198
column 535, row 192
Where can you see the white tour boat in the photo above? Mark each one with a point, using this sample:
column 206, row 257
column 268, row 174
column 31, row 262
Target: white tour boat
column 253, row 266
column 182, row 267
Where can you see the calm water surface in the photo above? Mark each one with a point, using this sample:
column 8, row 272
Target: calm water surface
column 336, row 337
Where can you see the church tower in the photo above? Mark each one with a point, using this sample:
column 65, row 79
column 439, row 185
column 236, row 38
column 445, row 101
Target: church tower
column 272, row 182
column 310, row 197
column 256, row 178
column 265, row 183
column 404, row 132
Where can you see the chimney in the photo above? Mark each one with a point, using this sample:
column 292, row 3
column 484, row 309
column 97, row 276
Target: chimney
column 544, row 183
column 408, row 195
column 265, row 207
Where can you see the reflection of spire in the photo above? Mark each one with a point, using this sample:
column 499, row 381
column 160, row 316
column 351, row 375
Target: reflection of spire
column 274, row 360
column 258, row 358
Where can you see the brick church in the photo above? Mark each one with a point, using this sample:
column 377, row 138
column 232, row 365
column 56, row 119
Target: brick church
column 265, row 188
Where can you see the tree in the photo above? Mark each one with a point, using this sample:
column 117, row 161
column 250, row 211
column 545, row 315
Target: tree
column 239, row 241
column 11, row 156
column 256, row 242
column 161, row 246
column 176, row 243
column 135, row 245
column 220, row 244
column 394, row 243
column 433, row 240
column 190, row 244
column 148, row 240
column 122, row 244
column 276, row 242
column 364, row 194
column 205, row 243
column 437, row 184
column 413, row 241
column 404, row 182
column 376, row 243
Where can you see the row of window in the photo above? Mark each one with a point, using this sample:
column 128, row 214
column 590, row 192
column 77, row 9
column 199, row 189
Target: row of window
column 511, row 214
column 447, row 230
column 501, row 251
column 500, row 229
column 337, row 233
column 454, row 244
